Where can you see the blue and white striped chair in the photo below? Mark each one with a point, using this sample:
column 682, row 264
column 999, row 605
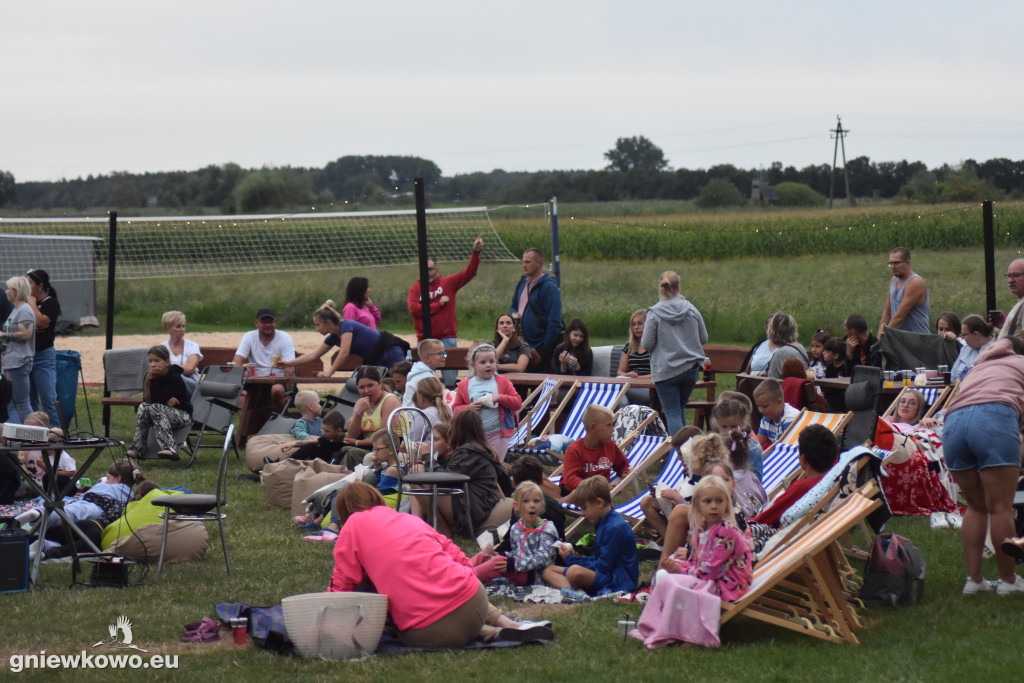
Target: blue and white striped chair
column 587, row 394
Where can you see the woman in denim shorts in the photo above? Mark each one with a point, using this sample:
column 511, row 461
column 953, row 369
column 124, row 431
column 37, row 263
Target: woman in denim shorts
column 982, row 447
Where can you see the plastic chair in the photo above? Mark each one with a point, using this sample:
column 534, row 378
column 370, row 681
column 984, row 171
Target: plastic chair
column 199, row 507
column 415, row 423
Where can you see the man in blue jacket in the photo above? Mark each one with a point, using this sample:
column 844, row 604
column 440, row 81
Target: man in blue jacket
column 537, row 302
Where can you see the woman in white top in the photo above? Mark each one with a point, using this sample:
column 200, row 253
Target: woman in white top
column 184, row 352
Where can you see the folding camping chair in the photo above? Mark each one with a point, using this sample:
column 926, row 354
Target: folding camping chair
column 215, row 402
column 800, row 586
column 782, row 459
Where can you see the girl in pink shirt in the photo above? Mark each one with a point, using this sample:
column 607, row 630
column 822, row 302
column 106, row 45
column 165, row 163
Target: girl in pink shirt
column 358, row 306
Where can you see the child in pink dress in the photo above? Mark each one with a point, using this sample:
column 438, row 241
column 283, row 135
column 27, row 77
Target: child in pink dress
column 686, row 601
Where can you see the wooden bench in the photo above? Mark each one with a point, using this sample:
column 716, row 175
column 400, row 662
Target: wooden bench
column 725, row 359
column 216, row 355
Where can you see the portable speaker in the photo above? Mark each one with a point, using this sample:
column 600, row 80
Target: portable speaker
column 13, row 564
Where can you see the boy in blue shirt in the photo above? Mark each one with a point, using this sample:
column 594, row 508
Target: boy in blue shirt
column 614, row 565
column 308, row 428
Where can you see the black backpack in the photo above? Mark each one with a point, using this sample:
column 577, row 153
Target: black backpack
column 893, row 573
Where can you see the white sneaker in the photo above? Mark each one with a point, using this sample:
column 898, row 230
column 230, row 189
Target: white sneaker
column 955, row 520
column 531, row 624
column 972, row 587
column 938, row 520
column 1004, row 589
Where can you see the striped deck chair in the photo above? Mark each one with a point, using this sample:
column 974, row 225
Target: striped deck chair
column 934, row 398
column 646, row 451
column 542, row 395
column 781, row 460
column 800, row 587
column 587, row 394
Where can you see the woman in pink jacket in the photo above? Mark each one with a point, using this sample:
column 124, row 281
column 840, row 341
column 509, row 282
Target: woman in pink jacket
column 434, row 597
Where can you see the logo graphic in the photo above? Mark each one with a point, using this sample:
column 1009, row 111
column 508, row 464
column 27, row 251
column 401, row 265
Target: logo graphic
column 125, row 641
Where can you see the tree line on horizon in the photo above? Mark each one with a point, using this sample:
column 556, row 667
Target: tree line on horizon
column 637, row 170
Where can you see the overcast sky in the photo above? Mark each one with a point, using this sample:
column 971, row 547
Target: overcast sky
column 92, row 88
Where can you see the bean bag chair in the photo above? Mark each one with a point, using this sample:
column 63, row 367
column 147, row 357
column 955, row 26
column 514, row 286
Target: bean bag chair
column 139, row 532
column 266, row 446
column 308, row 480
column 278, row 478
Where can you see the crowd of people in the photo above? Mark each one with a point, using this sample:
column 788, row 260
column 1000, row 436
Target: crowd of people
column 710, row 527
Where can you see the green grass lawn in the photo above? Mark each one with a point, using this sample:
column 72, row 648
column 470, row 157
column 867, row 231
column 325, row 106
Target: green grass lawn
column 947, row 637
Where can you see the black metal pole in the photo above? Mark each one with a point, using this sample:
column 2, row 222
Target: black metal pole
column 988, row 229
column 421, row 243
column 111, row 265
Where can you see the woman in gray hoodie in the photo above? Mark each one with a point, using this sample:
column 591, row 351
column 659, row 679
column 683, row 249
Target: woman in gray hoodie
column 674, row 334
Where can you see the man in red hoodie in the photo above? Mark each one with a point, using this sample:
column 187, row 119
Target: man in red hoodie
column 443, row 323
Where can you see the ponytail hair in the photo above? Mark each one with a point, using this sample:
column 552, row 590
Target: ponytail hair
column 327, row 313
column 668, row 284
column 431, row 390
column 126, row 472
column 739, row 452
column 42, row 278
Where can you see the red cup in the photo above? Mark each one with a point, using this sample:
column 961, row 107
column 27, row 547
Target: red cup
column 238, row 628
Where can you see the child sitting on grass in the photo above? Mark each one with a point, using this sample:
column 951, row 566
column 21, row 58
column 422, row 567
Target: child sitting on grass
column 308, row 428
column 614, row 565
column 818, row 450
column 385, row 466
column 529, row 468
column 776, row 414
column 530, row 547
column 594, row 454
column 328, row 444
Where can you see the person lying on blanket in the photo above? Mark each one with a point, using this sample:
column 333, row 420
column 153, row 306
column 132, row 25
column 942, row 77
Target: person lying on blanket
column 594, row 454
column 818, row 449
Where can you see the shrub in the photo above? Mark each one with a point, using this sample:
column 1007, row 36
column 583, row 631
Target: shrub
column 798, row 194
column 718, row 193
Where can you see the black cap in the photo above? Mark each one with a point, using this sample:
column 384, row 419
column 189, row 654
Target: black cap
column 266, row 313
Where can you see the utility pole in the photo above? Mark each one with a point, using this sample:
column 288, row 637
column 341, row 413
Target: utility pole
column 838, row 134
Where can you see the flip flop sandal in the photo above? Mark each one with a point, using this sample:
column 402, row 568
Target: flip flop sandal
column 201, row 637
column 207, row 624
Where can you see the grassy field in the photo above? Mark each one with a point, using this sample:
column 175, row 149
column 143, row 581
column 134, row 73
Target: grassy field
column 735, row 283
column 735, row 266
column 947, row 637
column 733, row 295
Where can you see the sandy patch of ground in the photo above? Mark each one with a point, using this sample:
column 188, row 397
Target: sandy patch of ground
column 92, row 348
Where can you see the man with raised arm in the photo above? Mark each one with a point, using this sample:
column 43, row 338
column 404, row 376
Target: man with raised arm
column 907, row 305
column 259, row 348
column 1011, row 324
column 537, row 302
column 443, row 322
